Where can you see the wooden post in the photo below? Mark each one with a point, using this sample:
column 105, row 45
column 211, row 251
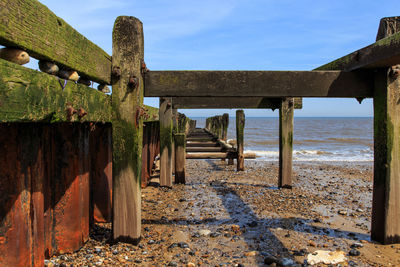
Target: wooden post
column 285, row 142
column 385, row 225
column 165, row 142
column 174, row 130
column 225, row 122
column 240, row 139
column 127, row 97
column 180, row 157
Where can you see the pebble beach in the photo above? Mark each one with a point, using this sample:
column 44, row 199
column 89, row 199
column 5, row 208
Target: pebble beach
column 222, row 217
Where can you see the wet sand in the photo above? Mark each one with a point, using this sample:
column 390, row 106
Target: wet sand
column 225, row 218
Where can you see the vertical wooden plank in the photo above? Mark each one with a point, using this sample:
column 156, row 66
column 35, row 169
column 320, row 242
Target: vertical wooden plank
column 240, row 120
column 385, row 225
column 180, row 157
column 127, row 97
column 165, row 142
column 101, row 173
column 286, row 113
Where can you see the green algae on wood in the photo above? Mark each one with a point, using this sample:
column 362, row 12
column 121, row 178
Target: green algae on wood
column 127, row 131
column 32, row 96
column 30, row 25
column 286, row 114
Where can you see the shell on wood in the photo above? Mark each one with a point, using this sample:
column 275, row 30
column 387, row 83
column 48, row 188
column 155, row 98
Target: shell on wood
column 15, row 55
column 48, row 67
column 69, row 75
column 104, row 88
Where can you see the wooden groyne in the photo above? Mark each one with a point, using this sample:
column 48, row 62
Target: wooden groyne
column 72, row 154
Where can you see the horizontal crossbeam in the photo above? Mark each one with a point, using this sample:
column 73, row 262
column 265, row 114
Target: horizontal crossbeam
column 258, row 83
column 230, row 102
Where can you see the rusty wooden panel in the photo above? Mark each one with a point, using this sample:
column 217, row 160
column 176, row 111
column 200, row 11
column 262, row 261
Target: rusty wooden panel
column 71, row 187
column 101, row 173
column 21, row 198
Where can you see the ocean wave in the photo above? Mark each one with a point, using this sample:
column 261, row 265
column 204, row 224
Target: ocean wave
column 314, row 155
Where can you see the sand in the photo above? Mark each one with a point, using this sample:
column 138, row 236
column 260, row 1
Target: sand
column 226, row 218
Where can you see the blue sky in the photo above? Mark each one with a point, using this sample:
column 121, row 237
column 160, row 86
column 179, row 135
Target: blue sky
column 240, row 35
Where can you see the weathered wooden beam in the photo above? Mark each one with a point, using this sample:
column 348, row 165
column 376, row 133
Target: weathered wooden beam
column 381, row 54
column 180, row 157
column 230, row 102
column 31, row 26
column 28, row 96
column 165, row 142
column 240, row 121
column 128, row 50
column 258, row 83
column 286, row 115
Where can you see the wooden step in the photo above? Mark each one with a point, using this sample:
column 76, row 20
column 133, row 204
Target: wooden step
column 204, row 149
column 201, row 144
column 218, row 155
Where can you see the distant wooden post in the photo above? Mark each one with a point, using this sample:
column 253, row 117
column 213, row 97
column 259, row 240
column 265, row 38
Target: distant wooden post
column 240, row 139
column 385, row 226
column 225, row 122
column 127, row 130
column 180, row 157
column 174, row 130
column 165, row 142
column 286, row 113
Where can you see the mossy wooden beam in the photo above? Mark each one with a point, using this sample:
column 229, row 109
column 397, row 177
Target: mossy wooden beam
column 383, row 53
column 258, row 83
column 231, row 102
column 27, row 95
column 127, row 127
column 240, row 121
column 165, row 113
column 30, row 25
column 286, row 115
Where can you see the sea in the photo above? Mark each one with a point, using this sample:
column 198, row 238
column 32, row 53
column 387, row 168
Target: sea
column 314, row 138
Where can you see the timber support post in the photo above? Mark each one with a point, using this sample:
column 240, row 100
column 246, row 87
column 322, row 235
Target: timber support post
column 225, row 123
column 165, row 142
column 180, row 157
column 385, row 227
column 286, row 113
column 174, row 130
column 127, row 98
column 240, row 120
